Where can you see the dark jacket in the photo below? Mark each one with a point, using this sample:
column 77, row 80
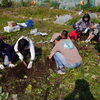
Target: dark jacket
column 7, row 51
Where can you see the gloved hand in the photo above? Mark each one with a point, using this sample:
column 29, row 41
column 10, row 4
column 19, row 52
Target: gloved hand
column 30, row 65
column 21, row 58
column 2, row 67
column 11, row 65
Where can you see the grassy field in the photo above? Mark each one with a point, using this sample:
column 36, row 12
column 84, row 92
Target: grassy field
column 40, row 82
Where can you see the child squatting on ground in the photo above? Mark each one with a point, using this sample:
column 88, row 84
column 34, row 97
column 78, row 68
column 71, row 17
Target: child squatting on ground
column 82, row 24
column 6, row 53
column 65, row 54
column 63, row 34
column 95, row 29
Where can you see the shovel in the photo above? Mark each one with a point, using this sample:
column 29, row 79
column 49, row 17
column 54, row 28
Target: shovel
column 24, row 63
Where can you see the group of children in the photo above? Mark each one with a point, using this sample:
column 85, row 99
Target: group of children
column 84, row 26
column 64, row 51
column 24, row 43
column 8, row 52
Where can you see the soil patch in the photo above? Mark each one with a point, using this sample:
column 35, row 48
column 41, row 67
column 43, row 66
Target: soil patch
column 15, row 80
column 18, row 78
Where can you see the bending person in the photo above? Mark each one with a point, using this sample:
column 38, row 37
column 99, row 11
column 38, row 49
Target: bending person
column 65, row 54
column 25, row 43
column 95, row 29
column 6, row 53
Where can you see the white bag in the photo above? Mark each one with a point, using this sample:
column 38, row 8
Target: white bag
column 34, row 31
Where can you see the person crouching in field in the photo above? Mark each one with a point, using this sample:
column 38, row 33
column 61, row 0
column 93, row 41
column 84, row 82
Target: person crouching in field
column 63, row 34
column 82, row 26
column 6, row 52
column 65, row 54
column 25, row 43
column 95, row 29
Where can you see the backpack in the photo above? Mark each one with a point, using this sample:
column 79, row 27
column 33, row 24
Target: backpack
column 73, row 35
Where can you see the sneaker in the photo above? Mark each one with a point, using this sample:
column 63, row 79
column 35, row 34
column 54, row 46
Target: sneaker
column 63, row 70
column 87, row 41
column 59, row 71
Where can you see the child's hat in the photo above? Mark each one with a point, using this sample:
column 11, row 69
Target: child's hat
column 54, row 37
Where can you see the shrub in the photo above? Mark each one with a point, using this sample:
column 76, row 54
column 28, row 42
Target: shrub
column 84, row 7
column 95, row 9
column 6, row 3
column 72, row 21
column 3, row 95
column 95, row 20
column 47, row 1
column 55, row 4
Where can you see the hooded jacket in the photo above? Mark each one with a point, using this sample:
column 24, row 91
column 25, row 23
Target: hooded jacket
column 82, row 24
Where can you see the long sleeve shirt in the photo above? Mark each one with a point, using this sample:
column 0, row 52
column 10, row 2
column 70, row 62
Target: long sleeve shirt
column 81, row 24
column 7, row 50
column 30, row 46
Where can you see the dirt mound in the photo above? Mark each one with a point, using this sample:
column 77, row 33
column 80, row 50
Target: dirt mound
column 17, row 72
column 17, row 78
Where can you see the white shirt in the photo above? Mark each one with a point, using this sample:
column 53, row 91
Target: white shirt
column 30, row 46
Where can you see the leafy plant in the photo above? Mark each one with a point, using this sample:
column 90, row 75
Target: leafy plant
column 47, row 1
column 72, row 21
column 84, row 7
column 95, row 9
column 29, row 88
column 95, row 20
column 3, row 95
column 7, row 3
column 55, row 4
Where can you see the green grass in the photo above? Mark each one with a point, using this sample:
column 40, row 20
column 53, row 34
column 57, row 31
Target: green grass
column 59, row 86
